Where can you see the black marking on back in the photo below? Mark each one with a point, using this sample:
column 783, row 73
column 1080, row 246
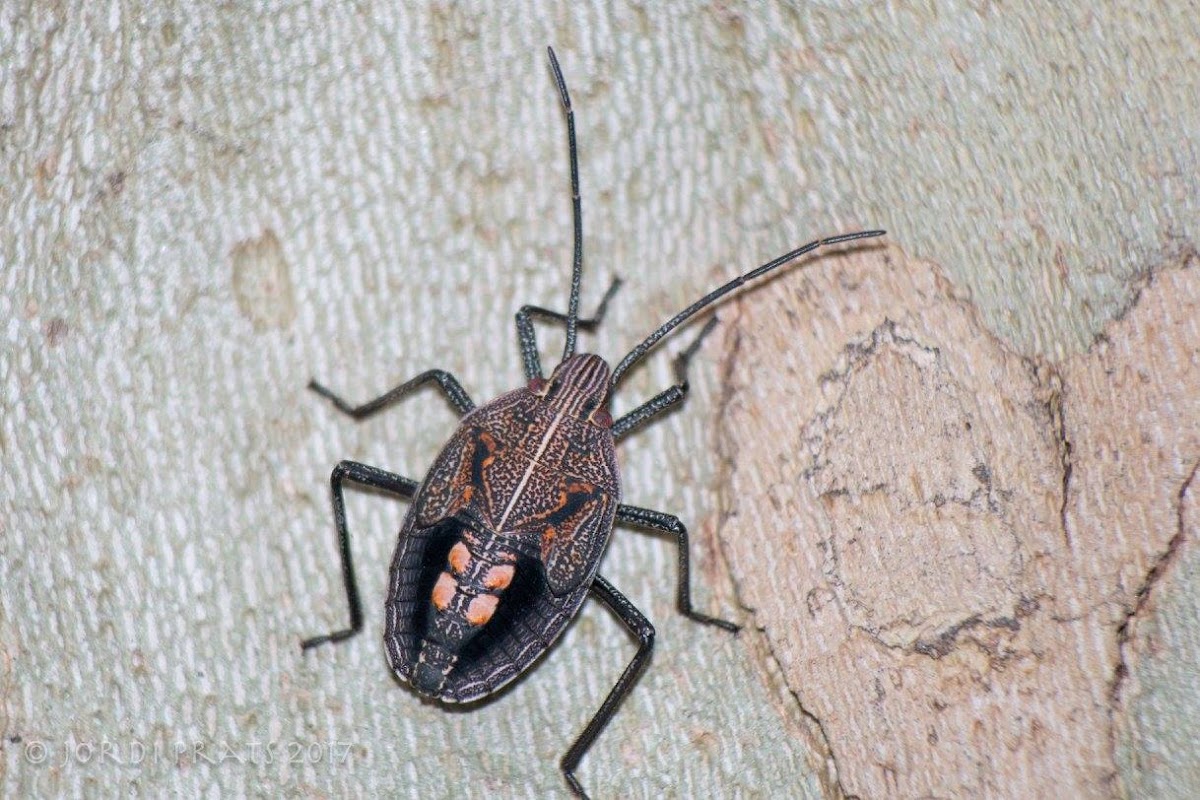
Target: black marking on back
column 415, row 570
column 527, row 584
column 528, row 618
column 527, row 621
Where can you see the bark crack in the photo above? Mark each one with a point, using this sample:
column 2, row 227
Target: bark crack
column 1154, row 576
column 1047, row 375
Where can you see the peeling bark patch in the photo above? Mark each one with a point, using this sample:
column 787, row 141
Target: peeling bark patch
column 262, row 282
column 901, row 526
column 980, row 526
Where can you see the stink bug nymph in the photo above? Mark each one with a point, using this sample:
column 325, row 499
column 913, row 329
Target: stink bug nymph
column 503, row 540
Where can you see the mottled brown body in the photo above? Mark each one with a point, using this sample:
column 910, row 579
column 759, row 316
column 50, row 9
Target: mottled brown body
column 513, row 516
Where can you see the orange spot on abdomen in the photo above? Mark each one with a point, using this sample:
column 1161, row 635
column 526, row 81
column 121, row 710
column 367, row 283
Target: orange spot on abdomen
column 443, row 591
column 481, row 609
column 499, row 577
column 460, row 558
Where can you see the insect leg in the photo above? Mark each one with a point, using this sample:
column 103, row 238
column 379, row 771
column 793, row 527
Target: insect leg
column 640, row 627
column 449, row 385
column 667, row 398
column 669, row 523
column 366, row 476
column 528, row 339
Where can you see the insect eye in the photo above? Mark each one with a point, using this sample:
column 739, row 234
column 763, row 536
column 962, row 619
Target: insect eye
column 537, row 385
column 602, row 418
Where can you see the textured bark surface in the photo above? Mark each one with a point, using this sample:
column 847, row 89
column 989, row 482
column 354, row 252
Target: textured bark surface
column 205, row 206
column 949, row 546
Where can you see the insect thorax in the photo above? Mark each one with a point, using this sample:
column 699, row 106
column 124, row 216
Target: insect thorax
column 578, row 386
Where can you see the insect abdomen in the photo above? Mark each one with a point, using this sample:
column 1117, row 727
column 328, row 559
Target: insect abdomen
column 463, row 600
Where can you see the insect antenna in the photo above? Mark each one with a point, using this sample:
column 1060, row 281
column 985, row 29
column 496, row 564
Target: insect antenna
column 716, row 294
column 576, row 209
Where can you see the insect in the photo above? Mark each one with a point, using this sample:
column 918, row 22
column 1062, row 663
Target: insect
column 503, row 540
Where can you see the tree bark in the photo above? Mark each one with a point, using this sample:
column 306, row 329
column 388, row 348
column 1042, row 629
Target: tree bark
column 957, row 553
column 204, row 207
